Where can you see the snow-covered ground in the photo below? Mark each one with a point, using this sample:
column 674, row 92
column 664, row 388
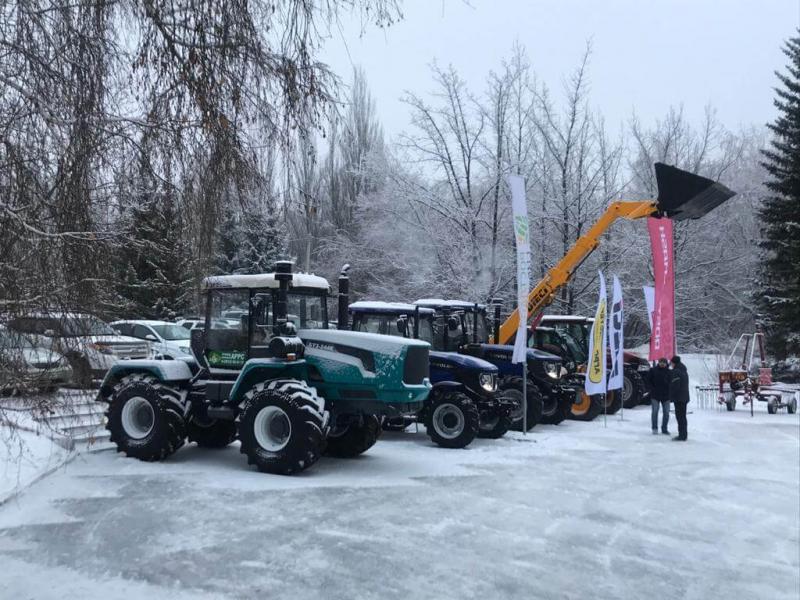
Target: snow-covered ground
column 580, row 510
column 27, row 453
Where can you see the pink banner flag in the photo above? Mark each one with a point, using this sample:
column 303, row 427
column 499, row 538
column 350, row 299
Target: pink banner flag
column 662, row 336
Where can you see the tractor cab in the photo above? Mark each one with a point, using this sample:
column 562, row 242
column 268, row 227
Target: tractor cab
column 266, row 323
column 456, row 323
column 393, row 318
column 560, row 343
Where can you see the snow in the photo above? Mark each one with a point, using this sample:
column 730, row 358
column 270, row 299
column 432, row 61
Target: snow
column 265, row 280
column 378, row 306
column 580, row 510
column 26, row 455
column 374, row 342
column 567, row 319
column 438, row 302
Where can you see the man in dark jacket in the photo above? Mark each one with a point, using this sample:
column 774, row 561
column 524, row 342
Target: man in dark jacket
column 659, row 395
column 679, row 396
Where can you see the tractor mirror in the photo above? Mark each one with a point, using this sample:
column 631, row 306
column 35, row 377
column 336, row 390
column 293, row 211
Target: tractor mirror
column 683, row 195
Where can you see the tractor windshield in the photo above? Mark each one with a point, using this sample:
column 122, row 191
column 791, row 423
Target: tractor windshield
column 475, row 327
column 426, row 329
column 307, row 311
column 384, row 324
column 400, row 325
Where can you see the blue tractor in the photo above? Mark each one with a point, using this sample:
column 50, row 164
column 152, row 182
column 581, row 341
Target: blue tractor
column 464, row 402
column 549, row 397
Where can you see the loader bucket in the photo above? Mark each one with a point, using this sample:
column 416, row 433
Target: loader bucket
column 683, row 195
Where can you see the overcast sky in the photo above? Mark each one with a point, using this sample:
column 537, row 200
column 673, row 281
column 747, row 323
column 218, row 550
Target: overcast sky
column 647, row 54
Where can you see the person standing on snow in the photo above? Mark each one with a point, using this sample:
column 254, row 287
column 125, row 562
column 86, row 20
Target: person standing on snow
column 659, row 395
column 679, row 396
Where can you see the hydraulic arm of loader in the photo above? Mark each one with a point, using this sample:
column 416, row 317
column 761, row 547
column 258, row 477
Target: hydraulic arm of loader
column 681, row 195
column 545, row 291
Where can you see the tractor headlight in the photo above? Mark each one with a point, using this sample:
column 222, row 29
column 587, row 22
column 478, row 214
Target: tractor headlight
column 185, row 349
column 488, row 382
column 552, row 369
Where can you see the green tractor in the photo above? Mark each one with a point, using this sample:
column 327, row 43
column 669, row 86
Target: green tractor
column 277, row 379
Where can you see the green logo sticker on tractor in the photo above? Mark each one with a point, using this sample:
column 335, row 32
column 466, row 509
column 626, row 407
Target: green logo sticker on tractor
column 230, row 358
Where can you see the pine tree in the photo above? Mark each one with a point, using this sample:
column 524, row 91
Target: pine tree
column 154, row 263
column 780, row 296
column 249, row 241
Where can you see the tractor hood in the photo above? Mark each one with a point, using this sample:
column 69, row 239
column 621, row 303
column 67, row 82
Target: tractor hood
column 374, row 342
column 462, row 361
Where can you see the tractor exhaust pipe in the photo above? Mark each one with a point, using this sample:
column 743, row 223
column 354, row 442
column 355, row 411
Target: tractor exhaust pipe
column 683, row 195
column 498, row 304
column 283, row 273
column 344, row 298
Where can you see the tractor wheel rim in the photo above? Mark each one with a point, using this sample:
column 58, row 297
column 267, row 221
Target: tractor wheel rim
column 549, row 405
column 609, row 399
column 516, row 396
column 272, row 428
column 627, row 389
column 138, row 418
column 582, row 407
column 338, row 430
column 448, row 421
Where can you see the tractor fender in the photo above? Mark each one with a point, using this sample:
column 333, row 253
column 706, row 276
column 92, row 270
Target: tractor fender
column 259, row 370
column 174, row 372
column 438, row 388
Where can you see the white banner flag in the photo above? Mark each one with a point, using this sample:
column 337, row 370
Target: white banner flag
column 519, row 206
column 615, row 338
column 650, row 301
column 595, row 381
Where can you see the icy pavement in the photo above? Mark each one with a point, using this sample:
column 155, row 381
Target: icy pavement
column 574, row 511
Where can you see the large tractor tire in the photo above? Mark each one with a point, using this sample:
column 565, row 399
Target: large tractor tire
column 144, row 418
column 281, row 426
column 512, row 387
column 632, row 388
column 493, row 424
column 587, row 408
column 772, row 407
column 792, row 406
column 210, row 433
column 613, row 402
column 557, row 408
column 452, row 420
column 354, row 438
column 730, row 404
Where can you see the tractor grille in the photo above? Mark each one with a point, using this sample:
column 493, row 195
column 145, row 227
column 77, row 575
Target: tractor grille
column 416, row 367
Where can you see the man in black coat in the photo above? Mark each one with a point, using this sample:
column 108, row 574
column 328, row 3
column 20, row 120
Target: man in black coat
column 679, row 396
column 659, row 395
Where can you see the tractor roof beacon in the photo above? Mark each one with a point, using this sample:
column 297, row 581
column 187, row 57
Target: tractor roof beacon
column 283, row 383
column 464, row 402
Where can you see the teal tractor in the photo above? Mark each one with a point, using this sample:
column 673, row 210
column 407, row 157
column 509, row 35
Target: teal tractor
column 280, row 381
